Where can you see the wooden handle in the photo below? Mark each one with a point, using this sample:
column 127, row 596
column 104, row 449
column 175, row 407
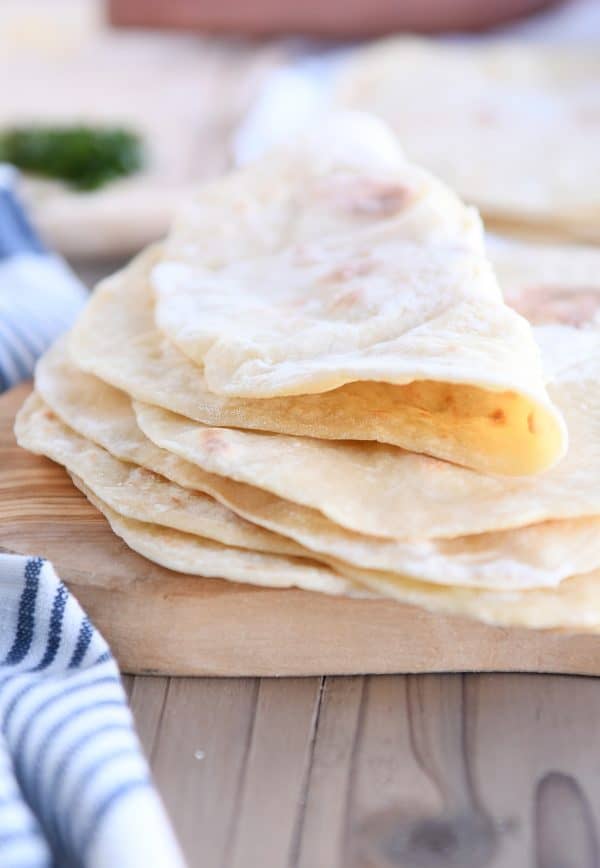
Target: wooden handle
column 335, row 18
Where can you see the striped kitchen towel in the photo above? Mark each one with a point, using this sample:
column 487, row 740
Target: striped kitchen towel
column 74, row 786
column 39, row 295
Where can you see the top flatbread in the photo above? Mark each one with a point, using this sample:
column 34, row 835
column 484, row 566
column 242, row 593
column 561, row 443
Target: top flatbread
column 402, row 494
column 334, row 261
column 117, row 340
column 514, row 129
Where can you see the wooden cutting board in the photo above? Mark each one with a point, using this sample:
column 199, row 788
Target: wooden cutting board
column 158, row 621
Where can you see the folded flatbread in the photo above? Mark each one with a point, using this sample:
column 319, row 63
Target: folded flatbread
column 346, row 295
column 402, row 494
column 535, row 555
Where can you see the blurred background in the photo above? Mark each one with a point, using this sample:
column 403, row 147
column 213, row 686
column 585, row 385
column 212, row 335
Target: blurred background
column 164, row 94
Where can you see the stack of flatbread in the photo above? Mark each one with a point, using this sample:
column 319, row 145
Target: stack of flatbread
column 315, row 381
column 514, row 128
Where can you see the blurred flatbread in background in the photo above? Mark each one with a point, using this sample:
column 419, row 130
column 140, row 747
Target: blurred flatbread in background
column 549, row 284
column 184, row 94
column 514, row 128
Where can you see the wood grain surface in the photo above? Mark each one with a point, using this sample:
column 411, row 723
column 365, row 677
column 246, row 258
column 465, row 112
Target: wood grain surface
column 158, row 621
column 429, row 771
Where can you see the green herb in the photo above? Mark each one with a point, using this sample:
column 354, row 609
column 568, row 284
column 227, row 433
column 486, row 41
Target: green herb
column 84, row 157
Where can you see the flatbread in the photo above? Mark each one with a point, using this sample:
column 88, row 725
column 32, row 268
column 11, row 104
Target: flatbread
column 196, row 556
column 116, row 339
column 357, row 267
column 513, row 128
column 136, row 492
column 541, row 554
column 574, row 605
column 549, row 284
column 383, row 491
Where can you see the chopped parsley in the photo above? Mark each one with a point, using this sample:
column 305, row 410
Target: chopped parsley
column 84, row 157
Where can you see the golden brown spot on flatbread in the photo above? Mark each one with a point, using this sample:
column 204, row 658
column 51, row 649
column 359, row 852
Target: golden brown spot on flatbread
column 589, row 116
column 212, row 440
column 303, row 254
column 531, row 423
column 544, row 305
column 347, row 300
column 349, row 271
column 498, row 416
column 485, row 117
column 365, row 197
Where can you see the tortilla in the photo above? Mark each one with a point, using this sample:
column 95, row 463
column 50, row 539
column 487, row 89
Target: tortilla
column 116, row 339
column 574, row 605
column 376, row 489
column 358, row 267
column 196, row 556
column 526, row 557
column 513, row 128
column 136, row 492
column 402, row 494
column 549, row 284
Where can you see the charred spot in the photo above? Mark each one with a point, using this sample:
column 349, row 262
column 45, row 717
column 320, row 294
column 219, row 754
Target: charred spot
column 381, row 200
column 484, row 117
column 349, row 271
column 498, row 416
column 366, row 197
column 347, row 300
column 212, row 440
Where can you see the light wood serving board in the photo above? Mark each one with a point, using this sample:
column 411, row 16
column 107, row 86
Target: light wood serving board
column 158, row 621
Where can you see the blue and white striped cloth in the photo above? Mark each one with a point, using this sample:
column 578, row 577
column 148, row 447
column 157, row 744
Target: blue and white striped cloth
column 74, row 786
column 75, row 790
column 39, row 295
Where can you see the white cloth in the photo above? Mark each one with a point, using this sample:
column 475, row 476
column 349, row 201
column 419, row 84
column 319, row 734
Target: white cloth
column 75, row 789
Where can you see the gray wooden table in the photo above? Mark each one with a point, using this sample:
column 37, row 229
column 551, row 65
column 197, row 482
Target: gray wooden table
column 429, row 771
